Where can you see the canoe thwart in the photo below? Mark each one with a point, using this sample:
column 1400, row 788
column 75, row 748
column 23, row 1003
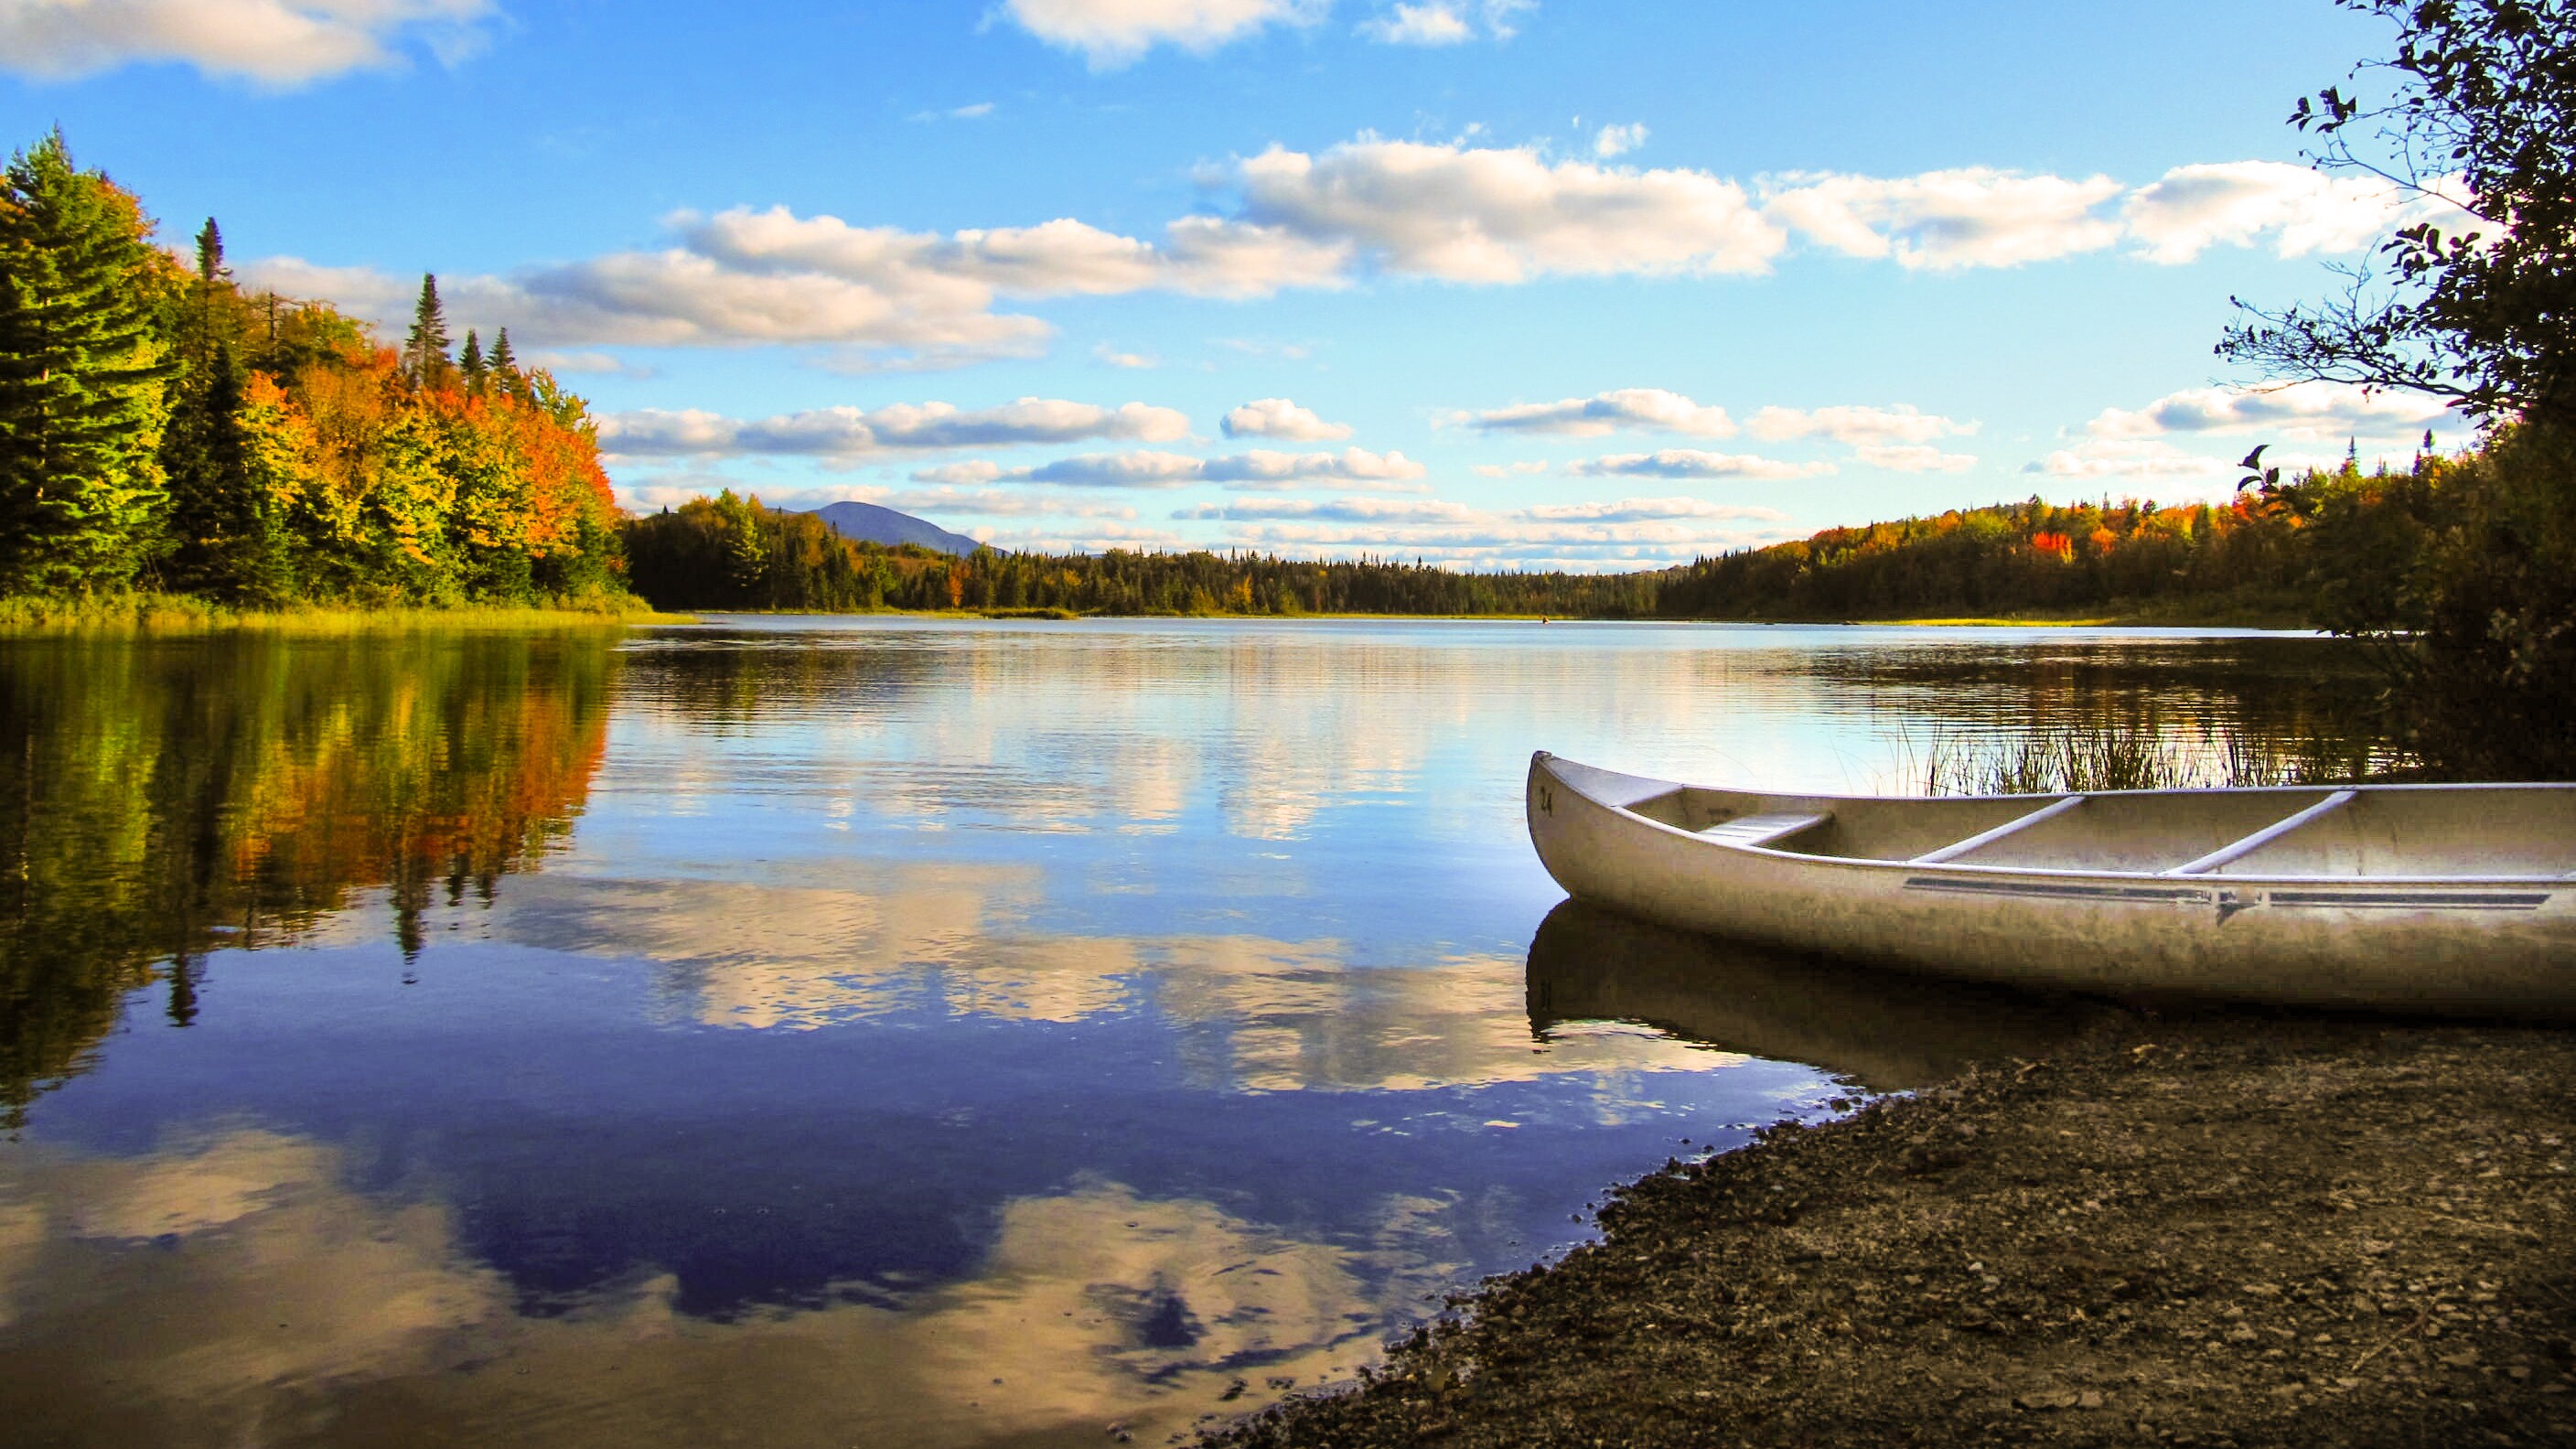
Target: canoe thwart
column 1982, row 839
column 1763, row 829
column 2266, row 835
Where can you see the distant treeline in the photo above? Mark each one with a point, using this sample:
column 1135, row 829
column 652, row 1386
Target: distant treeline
column 163, row 429
column 2033, row 557
column 2009, row 558
column 730, row 552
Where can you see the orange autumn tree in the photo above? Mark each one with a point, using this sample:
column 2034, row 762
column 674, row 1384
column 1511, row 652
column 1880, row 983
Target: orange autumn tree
column 374, row 482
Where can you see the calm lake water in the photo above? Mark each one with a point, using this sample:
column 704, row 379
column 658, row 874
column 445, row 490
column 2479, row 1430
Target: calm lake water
column 828, row 1032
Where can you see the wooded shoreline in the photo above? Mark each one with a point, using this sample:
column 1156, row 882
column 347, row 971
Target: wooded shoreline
column 184, row 614
column 142, row 616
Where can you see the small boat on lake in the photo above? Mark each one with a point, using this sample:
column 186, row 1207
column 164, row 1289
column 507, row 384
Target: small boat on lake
column 2443, row 898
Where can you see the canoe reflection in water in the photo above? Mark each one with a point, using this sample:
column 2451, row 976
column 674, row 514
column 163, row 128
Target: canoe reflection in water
column 1886, row 1031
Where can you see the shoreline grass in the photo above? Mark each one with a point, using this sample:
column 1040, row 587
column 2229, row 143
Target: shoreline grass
column 2140, row 755
column 173, row 615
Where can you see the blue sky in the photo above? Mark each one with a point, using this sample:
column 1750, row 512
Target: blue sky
column 1590, row 283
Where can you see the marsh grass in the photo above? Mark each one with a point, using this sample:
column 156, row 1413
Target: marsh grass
column 170, row 614
column 2135, row 755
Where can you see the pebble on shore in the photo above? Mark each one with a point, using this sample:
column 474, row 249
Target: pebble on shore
column 2215, row 1230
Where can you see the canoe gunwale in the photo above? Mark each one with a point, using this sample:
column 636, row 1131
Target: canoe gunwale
column 1543, row 760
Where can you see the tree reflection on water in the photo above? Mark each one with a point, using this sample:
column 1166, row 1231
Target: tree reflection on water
column 162, row 800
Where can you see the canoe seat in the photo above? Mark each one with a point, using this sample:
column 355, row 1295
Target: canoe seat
column 1762, row 829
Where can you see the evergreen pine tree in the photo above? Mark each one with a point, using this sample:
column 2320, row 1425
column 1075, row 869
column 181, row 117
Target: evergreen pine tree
column 81, row 377
column 225, row 542
column 210, row 254
column 471, row 362
column 199, row 335
column 425, row 349
column 503, row 365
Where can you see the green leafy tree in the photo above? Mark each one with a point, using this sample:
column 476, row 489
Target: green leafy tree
column 81, row 377
column 2473, row 558
column 2481, row 116
column 745, row 555
column 470, row 362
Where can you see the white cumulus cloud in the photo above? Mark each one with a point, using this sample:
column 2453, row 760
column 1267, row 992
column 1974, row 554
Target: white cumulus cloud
column 1913, row 458
column 1259, row 470
column 1338, row 510
column 272, row 42
column 1903, row 423
column 1277, row 417
column 886, row 298
column 877, row 298
column 2138, row 460
column 1096, row 538
column 2301, row 211
column 1428, row 24
column 1618, row 140
column 845, row 433
column 1505, row 214
column 1059, row 258
column 1266, row 468
column 1113, row 33
column 1503, row 541
column 1641, row 510
column 1441, row 510
column 1974, row 216
column 1692, row 463
column 1112, row 470
column 1446, row 22
column 587, row 364
column 2309, row 411
column 994, row 502
column 1627, row 409
column 680, row 298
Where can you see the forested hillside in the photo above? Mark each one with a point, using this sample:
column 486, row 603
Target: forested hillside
column 2289, row 556
column 2017, row 558
column 730, row 552
column 163, row 429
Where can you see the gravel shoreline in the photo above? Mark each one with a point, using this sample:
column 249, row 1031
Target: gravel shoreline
column 2198, row 1229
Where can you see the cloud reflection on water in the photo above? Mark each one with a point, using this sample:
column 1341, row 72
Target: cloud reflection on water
column 1253, row 1014
column 233, row 1289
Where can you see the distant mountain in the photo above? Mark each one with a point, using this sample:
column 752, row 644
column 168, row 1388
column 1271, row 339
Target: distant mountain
column 873, row 524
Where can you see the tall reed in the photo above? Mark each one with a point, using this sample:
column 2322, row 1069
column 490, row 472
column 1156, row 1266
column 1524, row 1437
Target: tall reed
column 2135, row 755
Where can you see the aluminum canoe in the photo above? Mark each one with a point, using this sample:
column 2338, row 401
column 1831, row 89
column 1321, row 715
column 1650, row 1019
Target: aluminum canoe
column 2454, row 899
